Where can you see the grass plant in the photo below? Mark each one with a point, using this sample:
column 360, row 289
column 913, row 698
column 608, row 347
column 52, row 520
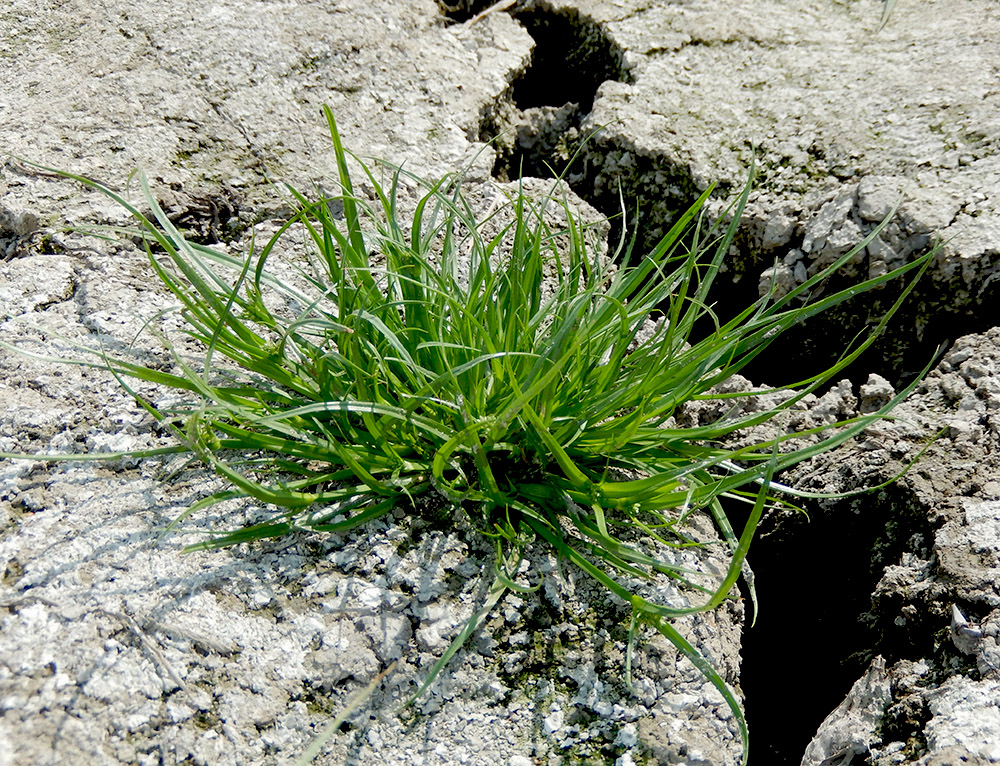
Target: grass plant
column 503, row 365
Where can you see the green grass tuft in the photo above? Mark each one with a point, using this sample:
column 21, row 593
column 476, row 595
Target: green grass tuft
column 503, row 365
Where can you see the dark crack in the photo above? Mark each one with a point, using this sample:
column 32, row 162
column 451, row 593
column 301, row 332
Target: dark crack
column 815, row 581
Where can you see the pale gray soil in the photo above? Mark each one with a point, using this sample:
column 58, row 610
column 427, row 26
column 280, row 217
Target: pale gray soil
column 117, row 649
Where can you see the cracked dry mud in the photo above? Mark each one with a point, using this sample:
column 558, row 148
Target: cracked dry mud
column 884, row 608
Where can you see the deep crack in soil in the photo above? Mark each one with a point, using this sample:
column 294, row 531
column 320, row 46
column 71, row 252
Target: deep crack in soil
column 817, row 630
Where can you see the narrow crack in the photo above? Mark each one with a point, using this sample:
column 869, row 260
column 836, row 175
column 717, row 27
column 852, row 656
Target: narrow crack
column 538, row 120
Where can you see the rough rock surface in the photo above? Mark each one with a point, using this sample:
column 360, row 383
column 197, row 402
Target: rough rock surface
column 116, row 649
column 844, row 121
column 936, row 608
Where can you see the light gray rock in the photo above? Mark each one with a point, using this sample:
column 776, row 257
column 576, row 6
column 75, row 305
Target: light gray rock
column 845, row 122
column 875, row 393
column 116, row 649
column 965, row 722
column 849, row 731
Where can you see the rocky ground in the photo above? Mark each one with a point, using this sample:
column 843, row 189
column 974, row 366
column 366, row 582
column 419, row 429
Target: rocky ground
column 114, row 648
